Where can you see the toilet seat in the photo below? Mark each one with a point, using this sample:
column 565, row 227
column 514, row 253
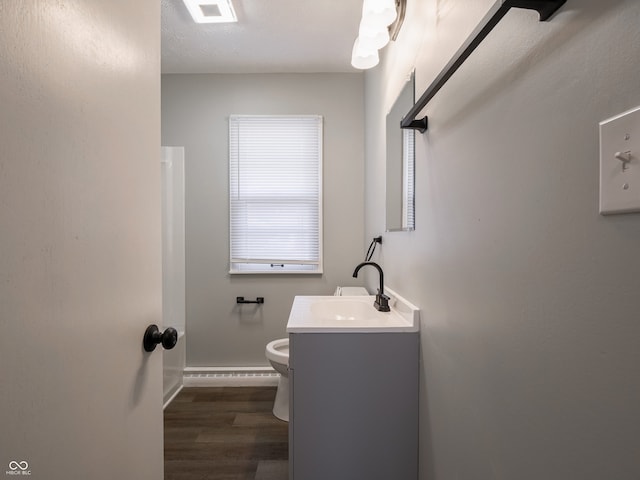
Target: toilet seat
column 278, row 351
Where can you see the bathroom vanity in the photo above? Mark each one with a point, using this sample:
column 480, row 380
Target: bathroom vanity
column 353, row 374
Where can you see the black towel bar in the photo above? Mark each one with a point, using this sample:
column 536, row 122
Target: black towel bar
column 546, row 8
column 242, row 300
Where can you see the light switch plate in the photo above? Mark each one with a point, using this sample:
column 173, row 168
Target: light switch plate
column 620, row 163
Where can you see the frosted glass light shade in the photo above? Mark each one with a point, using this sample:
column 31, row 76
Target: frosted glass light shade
column 379, row 13
column 373, row 38
column 363, row 58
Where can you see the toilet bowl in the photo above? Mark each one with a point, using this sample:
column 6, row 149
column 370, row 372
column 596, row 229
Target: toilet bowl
column 277, row 352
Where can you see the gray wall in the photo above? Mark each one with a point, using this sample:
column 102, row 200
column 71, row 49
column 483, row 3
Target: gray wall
column 195, row 111
column 530, row 304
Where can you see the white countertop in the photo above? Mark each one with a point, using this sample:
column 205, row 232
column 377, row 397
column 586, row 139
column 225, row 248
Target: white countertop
column 331, row 314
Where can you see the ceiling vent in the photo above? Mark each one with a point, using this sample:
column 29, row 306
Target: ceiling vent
column 211, row 11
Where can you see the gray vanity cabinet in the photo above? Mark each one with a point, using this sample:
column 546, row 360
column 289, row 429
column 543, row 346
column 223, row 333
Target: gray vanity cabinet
column 354, row 406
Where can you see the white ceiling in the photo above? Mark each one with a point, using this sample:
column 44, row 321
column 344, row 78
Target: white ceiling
column 271, row 36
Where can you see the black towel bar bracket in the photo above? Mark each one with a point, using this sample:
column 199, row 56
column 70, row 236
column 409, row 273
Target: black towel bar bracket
column 546, row 8
column 242, row 300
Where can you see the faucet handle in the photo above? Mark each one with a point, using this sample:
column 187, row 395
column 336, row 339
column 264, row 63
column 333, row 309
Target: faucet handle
column 382, row 302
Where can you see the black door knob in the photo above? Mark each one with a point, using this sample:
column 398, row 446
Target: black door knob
column 153, row 336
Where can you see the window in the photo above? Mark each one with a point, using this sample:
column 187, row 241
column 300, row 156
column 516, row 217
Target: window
column 275, row 194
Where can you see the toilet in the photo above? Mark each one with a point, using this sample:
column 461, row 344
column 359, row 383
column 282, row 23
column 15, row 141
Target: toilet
column 277, row 352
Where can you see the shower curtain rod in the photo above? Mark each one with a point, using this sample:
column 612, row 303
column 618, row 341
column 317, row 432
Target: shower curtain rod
column 546, row 8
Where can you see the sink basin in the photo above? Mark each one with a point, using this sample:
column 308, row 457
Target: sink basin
column 311, row 313
column 343, row 310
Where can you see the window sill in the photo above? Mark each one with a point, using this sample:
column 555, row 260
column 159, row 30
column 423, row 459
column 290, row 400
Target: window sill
column 263, row 272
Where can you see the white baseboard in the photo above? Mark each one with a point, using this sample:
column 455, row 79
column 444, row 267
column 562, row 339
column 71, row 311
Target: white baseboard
column 230, row 377
column 171, row 396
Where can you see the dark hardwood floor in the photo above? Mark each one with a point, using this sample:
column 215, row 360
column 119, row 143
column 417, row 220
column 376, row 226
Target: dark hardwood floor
column 225, row 433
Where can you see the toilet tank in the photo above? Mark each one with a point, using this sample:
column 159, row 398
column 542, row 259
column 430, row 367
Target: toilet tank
column 350, row 291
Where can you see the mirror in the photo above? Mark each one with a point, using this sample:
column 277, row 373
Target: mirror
column 400, row 164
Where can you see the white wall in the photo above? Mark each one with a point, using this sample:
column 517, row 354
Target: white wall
column 195, row 111
column 530, row 327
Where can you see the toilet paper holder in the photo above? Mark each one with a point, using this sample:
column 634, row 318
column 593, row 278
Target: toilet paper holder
column 242, row 300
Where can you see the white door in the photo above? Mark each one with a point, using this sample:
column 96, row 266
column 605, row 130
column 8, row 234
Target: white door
column 80, row 254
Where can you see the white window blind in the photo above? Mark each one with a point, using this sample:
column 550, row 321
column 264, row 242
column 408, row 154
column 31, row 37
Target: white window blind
column 408, row 178
column 275, row 194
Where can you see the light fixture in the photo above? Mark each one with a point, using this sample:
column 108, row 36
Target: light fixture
column 378, row 13
column 381, row 21
column 211, row 11
column 372, row 37
column 363, row 58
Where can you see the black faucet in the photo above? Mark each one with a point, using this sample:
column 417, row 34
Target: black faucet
column 382, row 301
